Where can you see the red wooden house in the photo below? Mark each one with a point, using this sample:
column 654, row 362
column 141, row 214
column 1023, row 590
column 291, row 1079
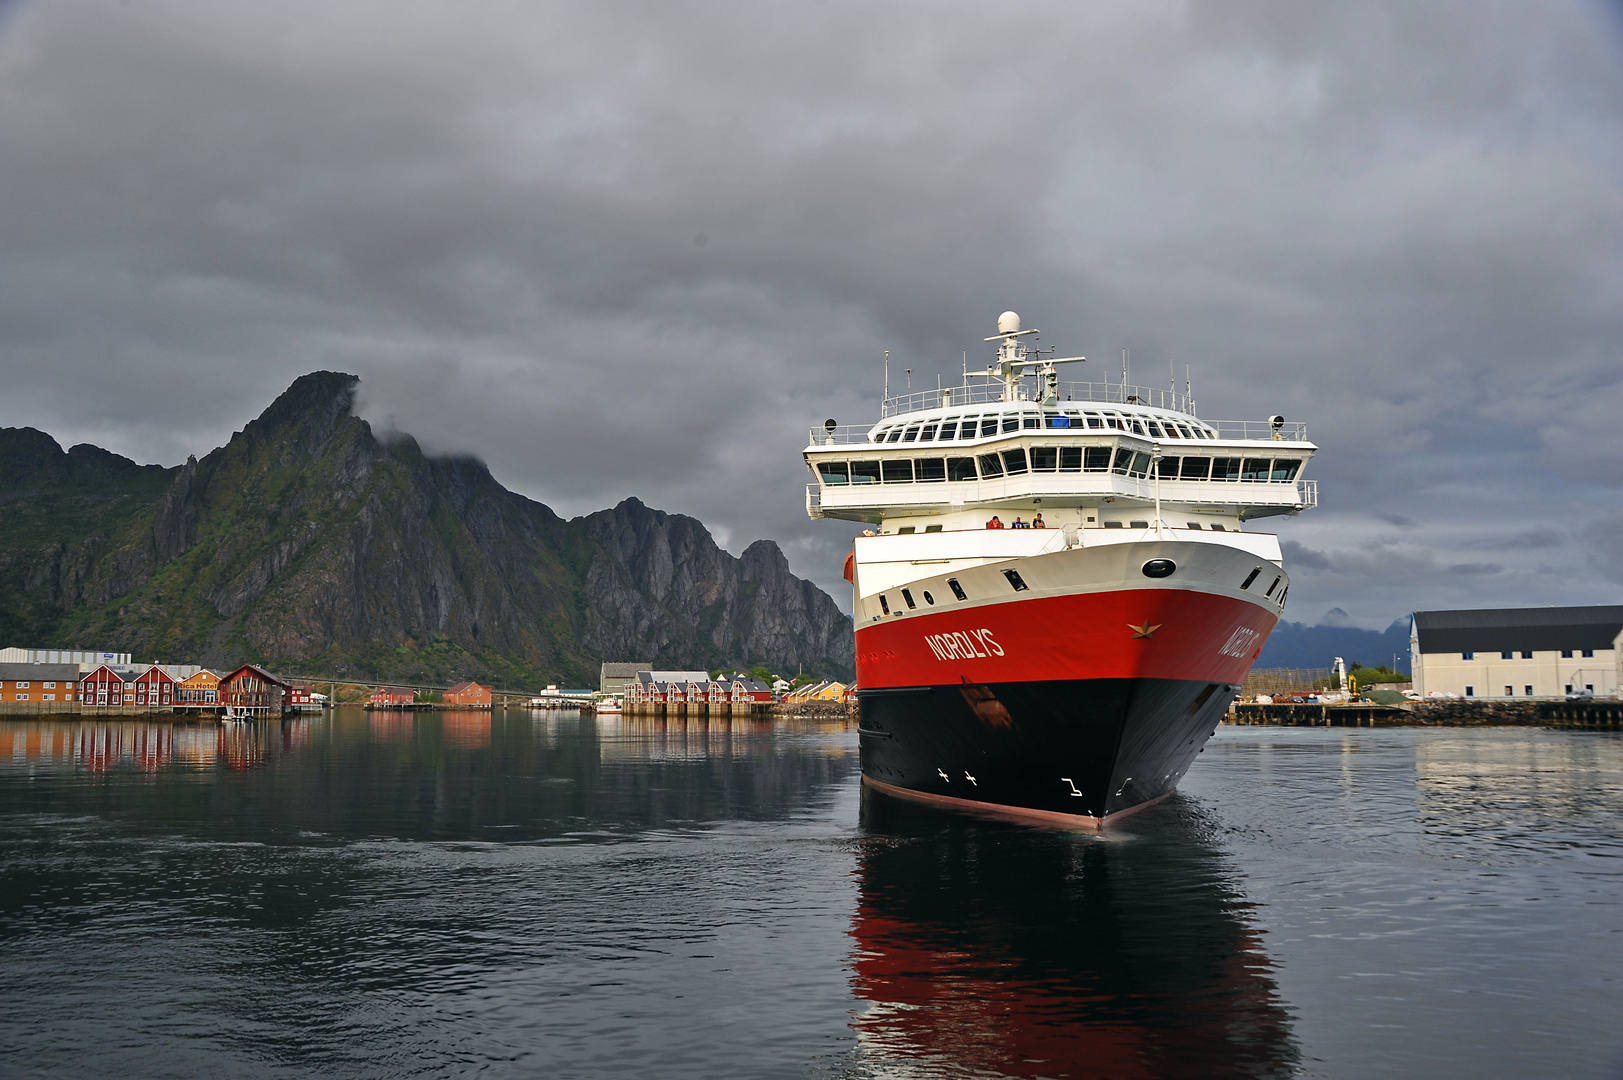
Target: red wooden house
column 387, row 697
column 468, row 695
column 252, row 691
column 103, row 689
column 154, row 689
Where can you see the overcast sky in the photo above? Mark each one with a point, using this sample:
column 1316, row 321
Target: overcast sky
column 636, row 249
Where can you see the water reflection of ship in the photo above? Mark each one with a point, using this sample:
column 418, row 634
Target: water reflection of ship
column 995, row 950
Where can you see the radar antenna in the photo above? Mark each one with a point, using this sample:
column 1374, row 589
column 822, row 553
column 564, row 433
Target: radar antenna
column 1016, row 360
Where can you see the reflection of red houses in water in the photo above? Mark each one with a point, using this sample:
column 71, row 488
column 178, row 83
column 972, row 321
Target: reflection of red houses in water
column 466, row 730
column 1022, row 953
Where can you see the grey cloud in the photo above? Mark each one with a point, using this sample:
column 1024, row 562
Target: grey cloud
column 1399, row 222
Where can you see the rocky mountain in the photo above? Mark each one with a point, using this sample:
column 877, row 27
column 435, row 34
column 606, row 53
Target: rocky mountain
column 308, row 544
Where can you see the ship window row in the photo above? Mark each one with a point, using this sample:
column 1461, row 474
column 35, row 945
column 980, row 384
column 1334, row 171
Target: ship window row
column 1048, row 459
column 976, row 426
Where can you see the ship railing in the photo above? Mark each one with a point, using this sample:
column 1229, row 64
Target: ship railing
column 1235, row 430
column 1292, row 431
column 1307, row 494
column 990, row 391
column 814, row 500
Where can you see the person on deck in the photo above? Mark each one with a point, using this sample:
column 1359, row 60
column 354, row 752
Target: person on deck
column 1037, row 522
column 1018, row 524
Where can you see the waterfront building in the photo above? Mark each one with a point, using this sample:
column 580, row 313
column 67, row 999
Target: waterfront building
column 614, row 678
column 1504, row 653
column 105, row 688
column 201, row 689
column 468, row 695
column 252, row 691
column 154, row 689
column 388, row 697
column 38, row 687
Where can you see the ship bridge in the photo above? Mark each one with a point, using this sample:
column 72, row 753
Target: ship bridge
column 1021, row 443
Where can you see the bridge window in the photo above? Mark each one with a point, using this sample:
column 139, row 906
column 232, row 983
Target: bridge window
column 988, row 426
column 898, row 471
column 1155, row 429
column 1225, row 468
column 833, row 473
column 1044, row 458
column 960, row 469
column 1167, row 468
column 1285, row 469
column 1014, row 461
column 927, row 433
column 1070, row 459
column 1030, row 420
column 1195, row 468
column 1094, row 421
column 1098, row 459
column 930, row 470
column 1124, row 459
column 1141, row 465
column 1138, row 428
column 1254, row 469
column 865, row 472
column 911, row 435
column 895, row 434
column 991, row 466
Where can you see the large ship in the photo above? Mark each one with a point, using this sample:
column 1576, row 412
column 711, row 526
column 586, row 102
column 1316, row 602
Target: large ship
column 1059, row 593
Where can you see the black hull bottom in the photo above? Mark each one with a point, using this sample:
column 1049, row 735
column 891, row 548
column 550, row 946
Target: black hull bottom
column 1087, row 748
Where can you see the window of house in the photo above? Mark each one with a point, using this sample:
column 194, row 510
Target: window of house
column 21, row 697
column 897, row 471
column 1470, row 691
column 1566, row 654
column 49, row 685
column 23, row 685
column 960, row 469
column 1507, row 656
column 47, row 697
column 1588, row 653
column 1526, row 655
column 1510, row 691
column 1529, row 690
column 1467, row 656
column 930, row 470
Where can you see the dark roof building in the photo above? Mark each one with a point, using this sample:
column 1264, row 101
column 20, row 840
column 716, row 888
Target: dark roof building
column 613, row 677
column 1520, row 629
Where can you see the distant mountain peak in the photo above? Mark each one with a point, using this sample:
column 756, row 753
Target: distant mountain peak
column 1335, row 617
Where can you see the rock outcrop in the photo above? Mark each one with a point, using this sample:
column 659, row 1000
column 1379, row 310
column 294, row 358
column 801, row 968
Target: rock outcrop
column 309, row 544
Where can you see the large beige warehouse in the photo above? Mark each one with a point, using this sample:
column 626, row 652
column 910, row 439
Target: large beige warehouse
column 1517, row 652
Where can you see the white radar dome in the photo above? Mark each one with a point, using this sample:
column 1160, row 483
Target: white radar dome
column 1008, row 323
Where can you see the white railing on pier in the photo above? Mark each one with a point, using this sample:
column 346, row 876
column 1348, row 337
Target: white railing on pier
column 990, row 392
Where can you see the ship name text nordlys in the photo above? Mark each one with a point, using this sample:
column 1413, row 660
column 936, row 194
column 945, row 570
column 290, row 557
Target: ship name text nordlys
column 958, row 645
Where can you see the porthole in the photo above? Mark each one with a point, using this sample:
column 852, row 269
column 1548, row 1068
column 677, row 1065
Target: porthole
column 928, row 599
column 1159, row 568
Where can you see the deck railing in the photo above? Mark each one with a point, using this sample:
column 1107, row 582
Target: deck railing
column 1254, row 430
column 991, row 391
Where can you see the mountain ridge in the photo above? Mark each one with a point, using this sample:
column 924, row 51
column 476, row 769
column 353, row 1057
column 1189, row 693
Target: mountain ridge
column 308, row 541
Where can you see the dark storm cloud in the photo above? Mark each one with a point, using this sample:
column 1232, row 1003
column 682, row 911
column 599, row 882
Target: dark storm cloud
column 636, row 249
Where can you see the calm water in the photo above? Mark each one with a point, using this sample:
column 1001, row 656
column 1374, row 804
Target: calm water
column 520, row 895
